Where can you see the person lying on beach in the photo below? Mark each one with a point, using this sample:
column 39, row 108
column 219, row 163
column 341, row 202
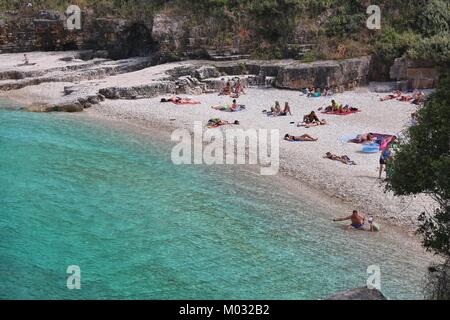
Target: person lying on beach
column 312, row 124
column 310, row 118
column 305, row 137
column 217, row 122
column 179, row 100
column 361, row 138
column 233, row 108
column 397, row 94
column 344, row 159
column 405, row 98
column 340, row 109
column 358, row 222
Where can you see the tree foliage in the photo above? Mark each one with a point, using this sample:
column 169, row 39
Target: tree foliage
column 422, row 165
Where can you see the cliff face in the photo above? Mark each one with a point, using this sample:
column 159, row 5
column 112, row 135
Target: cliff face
column 46, row 31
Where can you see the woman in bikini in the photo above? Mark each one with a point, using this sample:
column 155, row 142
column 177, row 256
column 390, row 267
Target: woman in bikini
column 305, row 137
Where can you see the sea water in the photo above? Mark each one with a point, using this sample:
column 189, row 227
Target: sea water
column 77, row 193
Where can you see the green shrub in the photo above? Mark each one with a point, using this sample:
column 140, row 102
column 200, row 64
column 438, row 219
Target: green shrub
column 392, row 44
column 435, row 48
column 435, row 18
column 312, row 56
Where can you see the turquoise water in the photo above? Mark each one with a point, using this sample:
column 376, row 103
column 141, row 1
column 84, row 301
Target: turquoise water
column 78, row 193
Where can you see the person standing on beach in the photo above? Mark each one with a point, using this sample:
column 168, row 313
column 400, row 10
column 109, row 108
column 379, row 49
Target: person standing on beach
column 386, row 156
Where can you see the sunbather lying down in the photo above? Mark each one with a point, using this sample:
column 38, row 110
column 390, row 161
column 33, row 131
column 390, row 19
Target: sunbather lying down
column 312, row 124
column 344, row 159
column 361, row 138
column 179, row 100
column 397, row 94
column 217, row 122
column 305, row 137
column 234, row 107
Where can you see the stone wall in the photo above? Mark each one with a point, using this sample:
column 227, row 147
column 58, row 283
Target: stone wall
column 417, row 74
column 46, row 31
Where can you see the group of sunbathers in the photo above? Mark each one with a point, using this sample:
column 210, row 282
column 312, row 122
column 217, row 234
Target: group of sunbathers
column 234, row 89
column 339, row 108
column 416, row 98
column 313, row 92
column 276, row 111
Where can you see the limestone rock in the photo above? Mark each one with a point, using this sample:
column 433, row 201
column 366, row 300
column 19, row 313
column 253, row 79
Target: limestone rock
column 358, row 294
column 205, row 72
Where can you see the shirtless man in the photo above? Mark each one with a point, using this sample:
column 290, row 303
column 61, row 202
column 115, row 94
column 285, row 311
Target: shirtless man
column 358, row 222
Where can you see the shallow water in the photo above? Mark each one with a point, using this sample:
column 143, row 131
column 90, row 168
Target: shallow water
column 111, row 202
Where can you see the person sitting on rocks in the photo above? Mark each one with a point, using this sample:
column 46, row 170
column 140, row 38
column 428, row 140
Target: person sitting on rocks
column 305, row 137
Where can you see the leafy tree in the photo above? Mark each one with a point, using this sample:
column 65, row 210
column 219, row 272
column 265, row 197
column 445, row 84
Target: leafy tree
column 422, row 165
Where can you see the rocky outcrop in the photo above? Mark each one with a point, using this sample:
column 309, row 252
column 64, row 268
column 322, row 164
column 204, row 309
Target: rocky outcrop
column 46, row 31
column 348, row 73
column 418, row 74
column 358, row 294
column 291, row 74
column 139, row 92
column 93, row 69
column 68, row 107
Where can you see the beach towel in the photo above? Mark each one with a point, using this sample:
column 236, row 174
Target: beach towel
column 185, row 101
column 337, row 113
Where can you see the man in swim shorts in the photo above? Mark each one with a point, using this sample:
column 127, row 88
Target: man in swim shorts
column 357, row 219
